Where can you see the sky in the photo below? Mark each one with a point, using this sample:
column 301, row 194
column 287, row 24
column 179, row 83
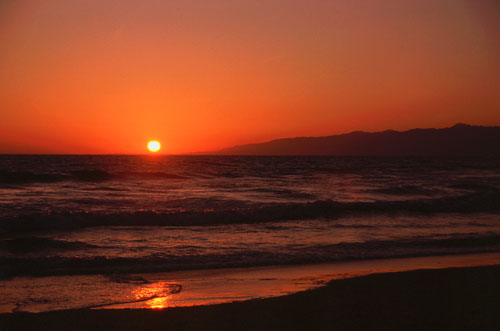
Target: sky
column 197, row 75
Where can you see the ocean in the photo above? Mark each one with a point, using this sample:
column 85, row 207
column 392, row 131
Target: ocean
column 117, row 216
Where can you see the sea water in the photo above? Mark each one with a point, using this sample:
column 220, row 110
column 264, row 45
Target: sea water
column 116, row 216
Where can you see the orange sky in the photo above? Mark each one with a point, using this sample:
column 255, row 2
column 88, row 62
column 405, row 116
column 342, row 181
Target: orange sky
column 107, row 76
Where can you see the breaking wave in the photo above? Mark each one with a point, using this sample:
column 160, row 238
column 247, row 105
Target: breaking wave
column 37, row 244
column 57, row 265
column 404, row 190
column 476, row 202
column 27, row 177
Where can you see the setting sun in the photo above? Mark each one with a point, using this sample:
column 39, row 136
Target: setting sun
column 154, row 146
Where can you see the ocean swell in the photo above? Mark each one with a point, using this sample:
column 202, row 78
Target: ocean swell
column 90, row 175
column 300, row 254
column 272, row 212
column 37, row 244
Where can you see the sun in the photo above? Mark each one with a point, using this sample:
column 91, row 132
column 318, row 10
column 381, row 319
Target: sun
column 154, row 146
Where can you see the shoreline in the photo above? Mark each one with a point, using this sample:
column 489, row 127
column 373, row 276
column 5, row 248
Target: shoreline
column 436, row 292
column 204, row 287
column 464, row 298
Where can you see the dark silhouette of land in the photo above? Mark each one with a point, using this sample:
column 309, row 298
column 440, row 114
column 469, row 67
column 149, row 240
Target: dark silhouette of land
column 458, row 140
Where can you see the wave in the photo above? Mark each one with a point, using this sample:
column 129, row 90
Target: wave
column 27, row 177
column 90, row 175
column 294, row 254
column 270, row 212
column 149, row 175
column 474, row 187
column 37, row 244
column 404, row 190
column 286, row 193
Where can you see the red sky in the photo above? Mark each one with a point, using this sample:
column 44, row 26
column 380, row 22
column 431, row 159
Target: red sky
column 107, row 76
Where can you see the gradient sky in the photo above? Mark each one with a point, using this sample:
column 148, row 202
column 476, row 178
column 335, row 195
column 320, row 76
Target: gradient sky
column 107, row 76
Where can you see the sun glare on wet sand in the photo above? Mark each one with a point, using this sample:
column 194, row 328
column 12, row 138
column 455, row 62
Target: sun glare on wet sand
column 154, row 146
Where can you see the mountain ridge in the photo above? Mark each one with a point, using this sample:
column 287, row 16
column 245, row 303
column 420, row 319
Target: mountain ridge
column 458, row 140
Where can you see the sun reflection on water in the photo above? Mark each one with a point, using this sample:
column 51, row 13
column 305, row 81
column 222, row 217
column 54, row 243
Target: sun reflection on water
column 156, row 295
column 158, row 303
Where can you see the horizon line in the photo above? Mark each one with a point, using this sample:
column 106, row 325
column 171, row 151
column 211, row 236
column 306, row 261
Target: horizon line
column 215, row 152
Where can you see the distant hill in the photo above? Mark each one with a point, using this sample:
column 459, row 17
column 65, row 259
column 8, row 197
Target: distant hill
column 458, row 140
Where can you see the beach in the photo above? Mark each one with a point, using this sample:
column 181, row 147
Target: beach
column 439, row 299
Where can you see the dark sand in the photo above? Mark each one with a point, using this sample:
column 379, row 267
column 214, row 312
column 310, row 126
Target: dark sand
column 445, row 299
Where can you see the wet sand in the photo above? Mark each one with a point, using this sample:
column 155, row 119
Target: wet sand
column 205, row 286
column 439, row 299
